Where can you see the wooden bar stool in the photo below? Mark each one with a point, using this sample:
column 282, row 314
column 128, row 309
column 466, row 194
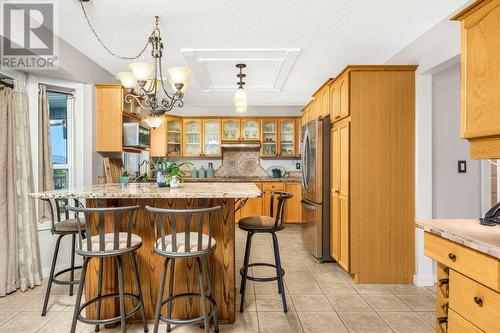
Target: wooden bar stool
column 191, row 243
column 265, row 224
column 62, row 225
column 116, row 244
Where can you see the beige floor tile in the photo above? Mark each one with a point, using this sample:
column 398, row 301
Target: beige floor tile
column 364, row 322
column 249, row 302
column 245, row 322
column 273, row 303
column 5, row 316
column 321, row 322
column 267, row 288
column 311, row 303
column 406, row 322
column 349, row 303
column 18, row 301
column 304, row 288
column 272, row 322
column 26, row 322
column 419, row 302
column 337, row 288
column 429, row 316
column 404, row 289
column 57, row 302
column 385, row 303
column 371, row 289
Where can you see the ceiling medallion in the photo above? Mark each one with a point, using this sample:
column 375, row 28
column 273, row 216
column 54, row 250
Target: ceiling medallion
column 240, row 97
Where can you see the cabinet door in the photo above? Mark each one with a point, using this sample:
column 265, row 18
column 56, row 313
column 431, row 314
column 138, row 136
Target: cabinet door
column 174, row 136
column 335, row 233
column 344, row 135
column 334, row 101
column 325, row 101
column 269, row 137
column 293, row 209
column 192, row 137
column 109, row 118
column 211, row 137
column 231, row 129
column 159, row 140
column 344, row 96
column 344, row 232
column 298, row 136
column 253, row 207
column 267, row 188
column 286, row 137
column 250, row 129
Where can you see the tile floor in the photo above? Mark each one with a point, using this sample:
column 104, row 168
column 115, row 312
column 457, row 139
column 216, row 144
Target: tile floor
column 321, row 298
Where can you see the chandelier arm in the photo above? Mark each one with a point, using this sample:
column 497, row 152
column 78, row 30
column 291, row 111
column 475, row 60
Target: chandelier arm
column 130, row 97
column 162, row 85
column 102, row 43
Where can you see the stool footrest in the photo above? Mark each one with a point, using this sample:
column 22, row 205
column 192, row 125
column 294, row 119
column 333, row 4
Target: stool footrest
column 211, row 313
column 260, row 279
column 54, row 280
column 108, row 320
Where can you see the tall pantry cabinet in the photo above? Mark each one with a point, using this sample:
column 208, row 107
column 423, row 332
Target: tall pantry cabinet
column 372, row 184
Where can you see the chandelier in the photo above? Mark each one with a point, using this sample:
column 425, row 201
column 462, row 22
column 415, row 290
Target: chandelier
column 240, row 97
column 145, row 82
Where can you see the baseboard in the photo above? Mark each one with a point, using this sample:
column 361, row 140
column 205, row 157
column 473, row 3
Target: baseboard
column 427, row 280
column 46, row 270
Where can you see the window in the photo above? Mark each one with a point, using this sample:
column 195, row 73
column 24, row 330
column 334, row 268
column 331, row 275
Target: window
column 61, row 115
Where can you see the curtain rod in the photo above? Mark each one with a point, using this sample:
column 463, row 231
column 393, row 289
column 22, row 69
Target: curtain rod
column 7, row 84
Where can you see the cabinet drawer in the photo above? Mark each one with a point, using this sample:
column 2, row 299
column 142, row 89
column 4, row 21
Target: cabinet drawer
column 474, row 264
column 269, row 187
column 478, row 304
column 457, row 324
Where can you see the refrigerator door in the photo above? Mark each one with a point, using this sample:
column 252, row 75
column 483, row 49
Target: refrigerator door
column 312, row 227
column 312, row 162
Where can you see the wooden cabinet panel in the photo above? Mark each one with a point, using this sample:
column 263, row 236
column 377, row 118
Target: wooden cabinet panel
column 192, row 137
column 456, row 323
column 344, row 96
column 287, row 133
column 250, row 129
column 212, row 137
column 344, row 136
column 231, row 129
column 253, row 207
column 293, row 211
column 334, row 101
column 269, row 144
column 298, row 136
column 344, row 233
column 158, row 146
column 109, row 118
column 267, row 188
column 335, row 225
column 475, row 302
column 174, row 136
column 325, row 100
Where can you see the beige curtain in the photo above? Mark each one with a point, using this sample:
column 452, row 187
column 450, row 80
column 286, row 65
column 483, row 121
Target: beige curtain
column 20, row 265
column 45, row 177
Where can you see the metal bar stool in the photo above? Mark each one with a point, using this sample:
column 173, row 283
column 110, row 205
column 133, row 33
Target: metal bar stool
column 62, row 225
column 265, row 224
column 114, row 244
column 190, row 243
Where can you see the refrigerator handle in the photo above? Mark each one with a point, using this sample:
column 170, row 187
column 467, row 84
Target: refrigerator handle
column 308, row 205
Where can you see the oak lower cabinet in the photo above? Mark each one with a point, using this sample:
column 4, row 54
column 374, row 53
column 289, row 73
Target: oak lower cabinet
column 293, row 210
column 267, row 189
column 467, row 289
column 253, row 206
column 480, row 77
column 372, row 173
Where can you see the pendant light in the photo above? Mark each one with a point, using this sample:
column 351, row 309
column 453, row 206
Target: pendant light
column 240, row 97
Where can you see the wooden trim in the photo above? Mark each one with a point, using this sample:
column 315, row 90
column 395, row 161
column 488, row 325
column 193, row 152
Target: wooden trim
column 376, row 68
column 469, row 10
column 327, row 82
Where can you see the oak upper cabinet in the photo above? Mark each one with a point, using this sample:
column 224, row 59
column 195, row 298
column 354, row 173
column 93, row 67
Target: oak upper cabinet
column 212, row 137
column 339, row 97
column 174, row 136
column 287, row 137
column 293, row 209
column 269, row 146
column 192, row 137
column 325, row 99
column 250, row 129
column 109, row 117
column 306, row 113
column 480, row 77
column 231, row 129
column 334, row 101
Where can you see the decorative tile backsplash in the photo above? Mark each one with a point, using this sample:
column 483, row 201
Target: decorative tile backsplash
column 238, row 162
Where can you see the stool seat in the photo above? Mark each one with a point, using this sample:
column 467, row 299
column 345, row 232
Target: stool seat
column 109, row 243
column 257, row 223
column 69, row 225
column 181, row 243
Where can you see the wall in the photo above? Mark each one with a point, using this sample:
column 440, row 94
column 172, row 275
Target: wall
column 454, row 195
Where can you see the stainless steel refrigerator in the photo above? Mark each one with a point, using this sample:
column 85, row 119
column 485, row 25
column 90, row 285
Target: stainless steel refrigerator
column 315, row 155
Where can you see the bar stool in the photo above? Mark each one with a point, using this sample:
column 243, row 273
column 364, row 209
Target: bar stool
column 265, row 224
column 115, row 244
column 190, row 243
column 62, row 225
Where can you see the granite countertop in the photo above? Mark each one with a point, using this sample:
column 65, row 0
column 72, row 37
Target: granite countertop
column 466, row 232
column 151, row 190
column 244, row 179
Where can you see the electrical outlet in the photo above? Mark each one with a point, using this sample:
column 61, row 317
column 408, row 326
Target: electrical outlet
column 462, row 166
column 297, row 166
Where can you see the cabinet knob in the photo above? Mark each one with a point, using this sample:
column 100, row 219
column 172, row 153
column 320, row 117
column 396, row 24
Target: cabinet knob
column 442, row 320
column 452, row 256
column 337, row 117
column 478, row 300
column 443, row 281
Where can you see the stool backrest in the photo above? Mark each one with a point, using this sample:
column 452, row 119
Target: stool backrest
column 110, row 220
column 281, row 209
column 58, row 211
column 180, row 223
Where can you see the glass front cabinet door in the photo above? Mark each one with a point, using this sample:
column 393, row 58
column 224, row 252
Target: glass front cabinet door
column 231, row 129
column 287, row 137
column 269, row 137
column 211, row 137
column 250, row 129
column 174, row 136
column 192, row 137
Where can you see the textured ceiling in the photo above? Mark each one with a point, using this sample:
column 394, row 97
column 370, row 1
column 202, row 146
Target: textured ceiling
column 329, row 33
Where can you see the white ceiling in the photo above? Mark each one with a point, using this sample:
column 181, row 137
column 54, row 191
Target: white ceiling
column 325, row 35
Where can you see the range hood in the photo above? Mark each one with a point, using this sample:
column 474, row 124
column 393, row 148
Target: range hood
column 241, row 144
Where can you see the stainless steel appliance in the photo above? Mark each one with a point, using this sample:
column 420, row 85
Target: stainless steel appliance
column 315, row 155
column 136, row 135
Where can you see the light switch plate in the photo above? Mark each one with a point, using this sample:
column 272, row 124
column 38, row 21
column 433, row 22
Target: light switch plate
column 297, row 166
column 462, row 166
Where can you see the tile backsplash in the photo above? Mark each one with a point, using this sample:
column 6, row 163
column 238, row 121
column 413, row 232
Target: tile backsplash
column 237, row 162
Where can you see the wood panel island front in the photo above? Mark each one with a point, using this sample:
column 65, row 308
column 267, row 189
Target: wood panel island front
column 187, row 196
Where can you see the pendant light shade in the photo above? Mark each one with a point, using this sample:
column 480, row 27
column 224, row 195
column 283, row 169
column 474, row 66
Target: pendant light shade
column 142, row 70
column 127, row 79
column 154, row 121
column 240, row 100
column 178, row 74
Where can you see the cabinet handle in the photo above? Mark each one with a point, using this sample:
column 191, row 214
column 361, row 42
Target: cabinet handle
column 337, row 117
column 443, row 281
column 478, row 300
column 441, row 321
column 452, row 256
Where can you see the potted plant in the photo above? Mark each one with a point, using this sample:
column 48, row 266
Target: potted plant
column 168, row 173
column 124, row 178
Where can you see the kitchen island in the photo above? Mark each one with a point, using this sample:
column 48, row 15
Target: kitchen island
column 187, row 196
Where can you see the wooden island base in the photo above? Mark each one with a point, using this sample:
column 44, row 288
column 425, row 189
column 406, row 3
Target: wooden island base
column 221, row 264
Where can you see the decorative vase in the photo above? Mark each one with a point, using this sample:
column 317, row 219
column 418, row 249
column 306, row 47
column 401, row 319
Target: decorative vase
column 161, row 179
column 202, row 173
column 123, row 180
column 175, row 182
column 194, row 173
column 210, row 170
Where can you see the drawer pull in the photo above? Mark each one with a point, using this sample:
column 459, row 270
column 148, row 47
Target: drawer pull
column 443, row 281
column 442, row 320
column 478, row 301
column 452, row 256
